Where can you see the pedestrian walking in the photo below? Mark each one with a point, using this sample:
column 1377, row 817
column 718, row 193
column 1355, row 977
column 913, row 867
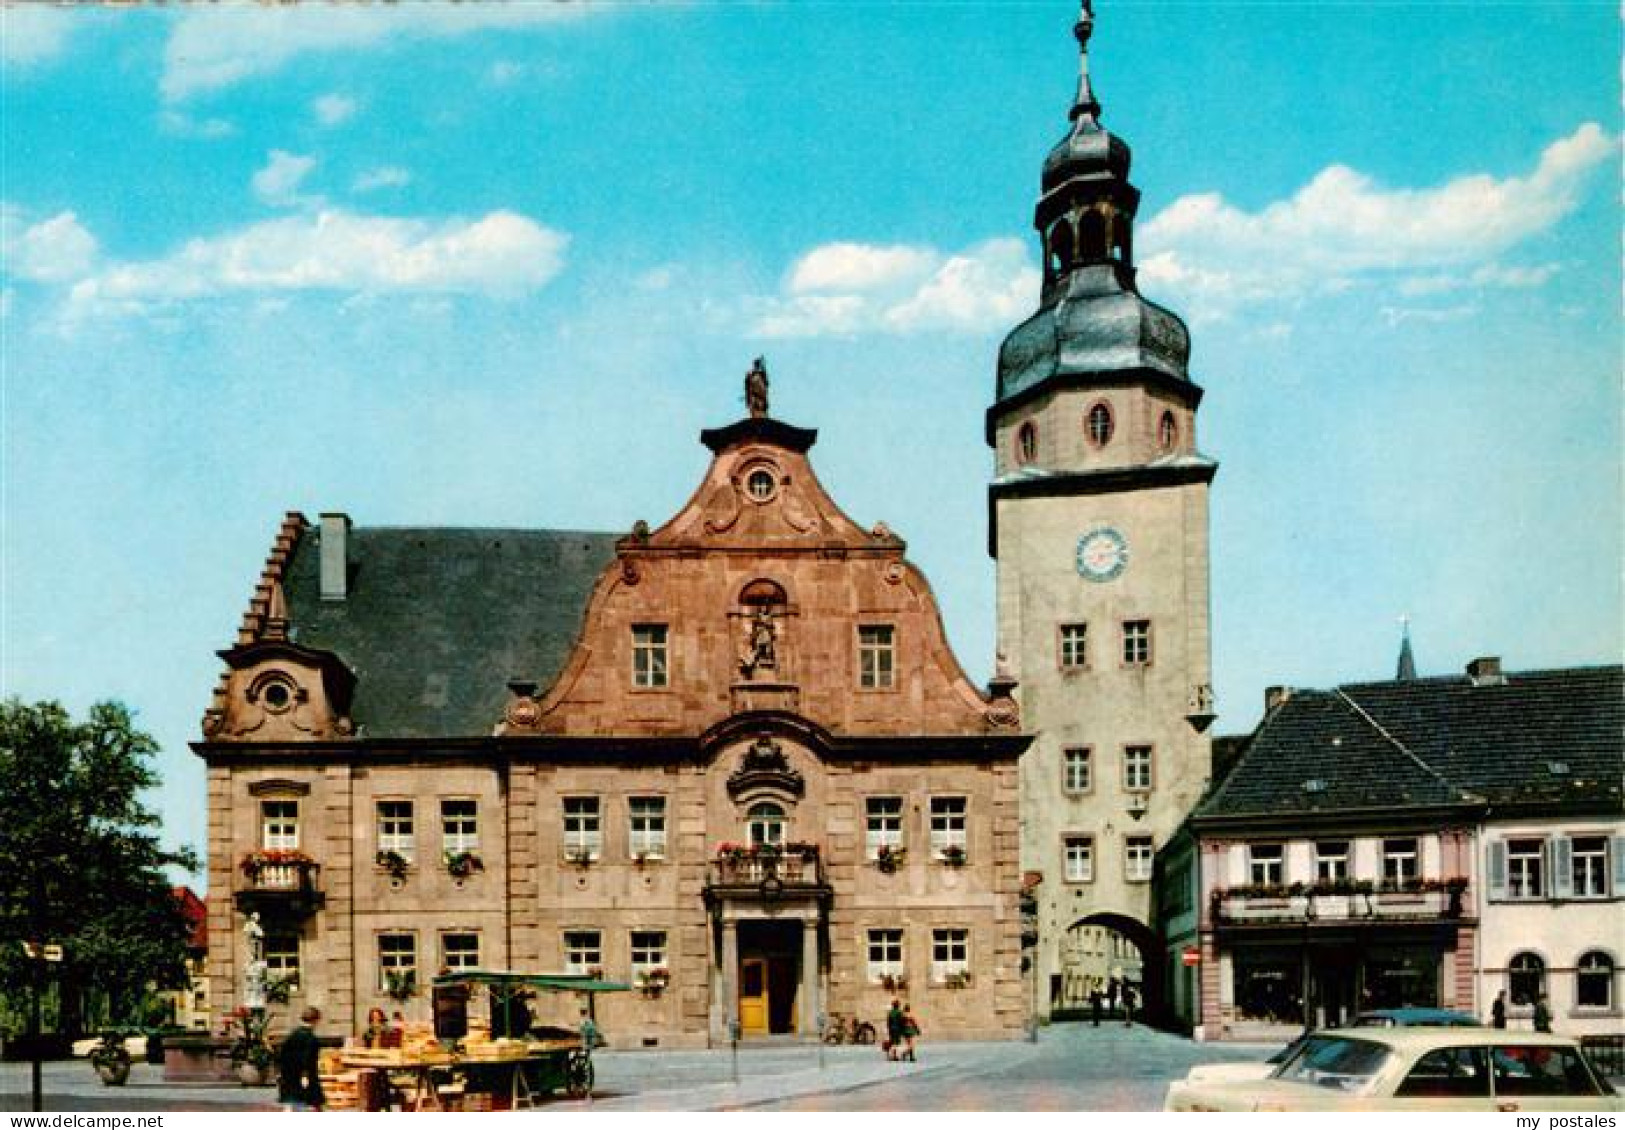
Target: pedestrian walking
column 1543, row 1014
column 1498, row 1010
column 896, row 1022
column 299, row 1080
column 1094, row 1005
column 1128, row 1004
column 911, row 1032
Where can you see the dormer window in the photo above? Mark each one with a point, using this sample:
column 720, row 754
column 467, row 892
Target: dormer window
column 1098, row 424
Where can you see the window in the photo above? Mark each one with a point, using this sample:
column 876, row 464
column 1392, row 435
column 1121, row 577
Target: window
column 885, row 954
column 1080, row 858
column 1265, row 864
column 397, row 959
column 1098, row 424
column 460, row 951
column 947, row 825
column 1167, row 432
column 1525, row 868
column 877, row 656
column 1526, row 979
column 1027, row 442
column 1399, row 862
column 1137, row 643
column 1076, row 776
column 1594, row 980
column 1590, row 856
column 1332, row 860
column 583, row 952
column 1137, row 768
column 1540, row 1070
column 459, row 825
column 1074, row 647
column 649, row 668
column 1137, row 859
column 279, row 825
column 765, row 823
column 395, row 828
column 648, row 950
column 1447, row 1073
column 883, row 824
column 646, row 827
column 950, row 953
column 583, row 831
column 282, row 959
column 759, row 484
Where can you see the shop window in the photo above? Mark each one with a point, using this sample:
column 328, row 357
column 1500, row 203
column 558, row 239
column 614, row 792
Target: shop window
column 1594, row 981
column 1526, row 979
column 1268, row 985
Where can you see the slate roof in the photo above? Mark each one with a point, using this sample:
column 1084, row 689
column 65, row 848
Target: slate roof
column 438, row 620
column 1541, row 741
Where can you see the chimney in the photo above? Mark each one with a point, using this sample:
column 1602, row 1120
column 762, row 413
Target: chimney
column 1274, row 697
column 1485, row 671
column 335, row 556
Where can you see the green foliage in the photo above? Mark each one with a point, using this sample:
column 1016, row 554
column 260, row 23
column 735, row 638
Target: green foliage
column 80, row 861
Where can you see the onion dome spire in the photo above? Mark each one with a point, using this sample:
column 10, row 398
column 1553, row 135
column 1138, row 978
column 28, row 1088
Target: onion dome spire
column 1087, row 105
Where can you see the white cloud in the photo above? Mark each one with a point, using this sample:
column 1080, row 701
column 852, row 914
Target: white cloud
column 503, row 72
column 33, row 34
column 333, row 109
column 850, row 288
column 1343, row 228
column 385, row 176
column 278, row 182
column 48, row 251
column 217, row 46
column 177, row 124
column 500, row 254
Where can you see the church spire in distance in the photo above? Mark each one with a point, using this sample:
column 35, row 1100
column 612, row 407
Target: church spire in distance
column 1406, row 671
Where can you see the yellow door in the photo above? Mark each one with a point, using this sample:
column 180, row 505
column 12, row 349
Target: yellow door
column 753, row 996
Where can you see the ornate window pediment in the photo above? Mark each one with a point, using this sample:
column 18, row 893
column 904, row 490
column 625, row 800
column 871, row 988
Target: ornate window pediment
column 764, row 766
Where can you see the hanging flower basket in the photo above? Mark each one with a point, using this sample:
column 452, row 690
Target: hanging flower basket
column 653, row 982
column 952, row 856
column 889, row 859
column 393, row 862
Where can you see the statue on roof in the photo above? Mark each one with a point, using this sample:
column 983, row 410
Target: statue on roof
column 756, row 388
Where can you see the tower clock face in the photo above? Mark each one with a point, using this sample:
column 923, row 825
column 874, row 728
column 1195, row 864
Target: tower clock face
column 1102, row 554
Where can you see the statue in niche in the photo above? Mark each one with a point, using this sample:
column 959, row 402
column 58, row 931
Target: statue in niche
column 756, row 388
column 761, row 635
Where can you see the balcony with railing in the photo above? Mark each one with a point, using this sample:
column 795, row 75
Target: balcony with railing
column 767, row 870
column 1341, row 902
column 281, row 883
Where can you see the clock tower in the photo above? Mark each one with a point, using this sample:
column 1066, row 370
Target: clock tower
column 1098, row 519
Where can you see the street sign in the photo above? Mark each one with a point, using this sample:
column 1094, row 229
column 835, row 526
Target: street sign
column 1191, row 956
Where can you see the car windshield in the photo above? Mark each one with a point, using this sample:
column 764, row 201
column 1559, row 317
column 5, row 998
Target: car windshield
column 1336, row 1062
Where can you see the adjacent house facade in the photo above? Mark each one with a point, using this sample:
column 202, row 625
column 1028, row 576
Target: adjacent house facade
column 731, row 762
column 1416, row 842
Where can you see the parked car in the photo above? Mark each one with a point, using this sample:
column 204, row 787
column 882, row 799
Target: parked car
column 1414, row 1018
column 1416, row 1069
column 1237, row 1071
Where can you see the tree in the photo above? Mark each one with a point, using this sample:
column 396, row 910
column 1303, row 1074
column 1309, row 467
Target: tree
column 80, row 862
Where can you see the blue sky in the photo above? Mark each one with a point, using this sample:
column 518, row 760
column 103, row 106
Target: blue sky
column 497, row 265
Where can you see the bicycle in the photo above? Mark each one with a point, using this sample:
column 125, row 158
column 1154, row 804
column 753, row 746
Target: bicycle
column 842, row 1029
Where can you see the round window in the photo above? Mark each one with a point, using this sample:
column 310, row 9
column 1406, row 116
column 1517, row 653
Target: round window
column 277, row 696
column 759, row 484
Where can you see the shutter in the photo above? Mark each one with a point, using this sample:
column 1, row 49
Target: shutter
column 1562, row 858
column 1619, row 867
column 1498, row 869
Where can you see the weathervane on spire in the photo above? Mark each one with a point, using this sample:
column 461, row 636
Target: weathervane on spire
column 756, row 388
column 1086, row 104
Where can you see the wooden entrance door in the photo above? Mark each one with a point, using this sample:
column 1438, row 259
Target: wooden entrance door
column 753, row 996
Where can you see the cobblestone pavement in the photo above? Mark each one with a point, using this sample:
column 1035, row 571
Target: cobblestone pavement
column 1071, row 1067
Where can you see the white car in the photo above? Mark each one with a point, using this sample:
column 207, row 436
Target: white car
column 1417, row 1069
